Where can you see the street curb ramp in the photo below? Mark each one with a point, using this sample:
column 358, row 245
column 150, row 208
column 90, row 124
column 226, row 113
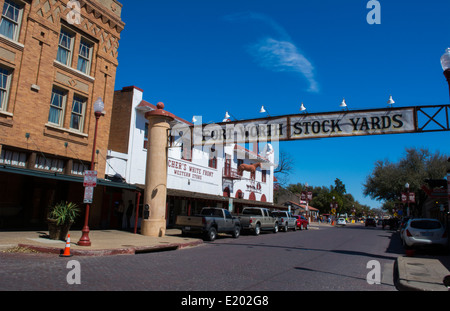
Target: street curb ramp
column 419, row 274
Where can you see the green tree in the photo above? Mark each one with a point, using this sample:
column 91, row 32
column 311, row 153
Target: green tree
column 339, row 187
column 387, row 181
column 323, row 197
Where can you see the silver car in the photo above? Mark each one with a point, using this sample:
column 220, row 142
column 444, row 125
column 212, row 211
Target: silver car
column 341, row 222
column 424, row 231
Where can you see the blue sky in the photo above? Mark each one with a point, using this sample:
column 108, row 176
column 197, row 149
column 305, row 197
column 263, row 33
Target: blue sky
column 206, row 57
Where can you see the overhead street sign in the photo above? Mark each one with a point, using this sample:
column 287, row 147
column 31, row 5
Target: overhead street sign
column 346, row 123
column 409, row 197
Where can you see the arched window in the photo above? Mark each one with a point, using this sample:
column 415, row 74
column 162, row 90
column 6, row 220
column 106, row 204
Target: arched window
column 239, row 194
column 263, row 198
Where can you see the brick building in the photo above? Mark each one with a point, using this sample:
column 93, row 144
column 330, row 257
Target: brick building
column 56, row 58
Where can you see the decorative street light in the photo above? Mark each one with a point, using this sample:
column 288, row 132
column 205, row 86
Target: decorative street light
column 99, row 107
column 308, row 197
column 445, row 62
column 407, row 199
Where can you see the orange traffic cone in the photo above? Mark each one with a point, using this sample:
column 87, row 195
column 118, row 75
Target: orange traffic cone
column 67, row 249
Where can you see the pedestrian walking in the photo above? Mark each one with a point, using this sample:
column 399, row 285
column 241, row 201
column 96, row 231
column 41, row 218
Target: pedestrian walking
column 120, row 211
column 129, row 213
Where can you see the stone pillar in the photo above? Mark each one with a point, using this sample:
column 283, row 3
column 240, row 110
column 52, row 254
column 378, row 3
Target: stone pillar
column 154, row 222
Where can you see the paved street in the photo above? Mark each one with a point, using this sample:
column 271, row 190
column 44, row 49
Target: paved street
column 328, row 258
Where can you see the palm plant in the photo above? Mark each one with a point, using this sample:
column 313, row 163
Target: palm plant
column 64, row 213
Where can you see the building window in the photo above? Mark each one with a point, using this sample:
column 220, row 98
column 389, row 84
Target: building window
column 263, row 176
column 186, row 153
column 49, row 164
column 11, row 18
column 13, row 158
column 66, row 50
column 78, row 168
column 65, row 47
column 57, row 106
column 213, row 162
column 85, row 57
column 213, row 158
column 146, row 136
column 4, row 88
column 78, row 110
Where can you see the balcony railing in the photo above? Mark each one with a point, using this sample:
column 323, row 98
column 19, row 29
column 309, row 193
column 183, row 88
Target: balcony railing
column 231, row 173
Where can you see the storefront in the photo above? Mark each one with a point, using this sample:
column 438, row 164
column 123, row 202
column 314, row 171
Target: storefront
column 26, row 196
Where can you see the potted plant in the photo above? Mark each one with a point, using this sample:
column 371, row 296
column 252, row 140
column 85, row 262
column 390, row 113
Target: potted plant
column 60, row 219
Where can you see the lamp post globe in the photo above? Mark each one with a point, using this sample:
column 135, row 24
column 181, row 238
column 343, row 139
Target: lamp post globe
column 99, row 106
column 445, row 63
column 445, row 60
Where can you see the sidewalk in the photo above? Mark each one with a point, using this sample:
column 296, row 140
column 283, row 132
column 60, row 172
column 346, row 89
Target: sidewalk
column 422, row 273
column 104, row 242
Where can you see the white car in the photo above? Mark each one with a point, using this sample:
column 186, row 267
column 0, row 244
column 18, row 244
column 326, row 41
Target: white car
column 341, row 221
column 424, row 231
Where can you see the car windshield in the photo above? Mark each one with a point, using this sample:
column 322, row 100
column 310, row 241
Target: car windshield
column 425, row 224
column 212, row 212
column 278, row 214
column 251, row 211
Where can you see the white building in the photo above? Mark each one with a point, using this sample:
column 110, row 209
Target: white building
column 206, row 177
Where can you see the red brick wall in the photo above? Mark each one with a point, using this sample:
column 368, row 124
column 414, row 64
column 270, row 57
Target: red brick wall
column 32, row 60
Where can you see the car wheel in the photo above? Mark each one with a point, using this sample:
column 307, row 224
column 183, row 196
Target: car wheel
column 275, row 229
column 301, row 227
column 286, row 228
column 257, row 229
column 295, row 227
column 236, row 232
column 212, row 234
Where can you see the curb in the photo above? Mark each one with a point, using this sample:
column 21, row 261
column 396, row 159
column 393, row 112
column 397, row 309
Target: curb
column 409, row 275
column 116, row 251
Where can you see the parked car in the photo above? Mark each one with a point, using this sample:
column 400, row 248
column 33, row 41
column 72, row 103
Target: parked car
column 341, row 222
column 403, row 224
column 423, row 232
column 370, row 222
column 255, row 219
column 285, row 220
column 302, row 222
column 393, row 223
column 209, row 223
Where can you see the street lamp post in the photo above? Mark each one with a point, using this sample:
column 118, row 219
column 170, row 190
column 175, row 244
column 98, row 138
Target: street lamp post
column 407, row 199
column 445, row 62
column 99, row 106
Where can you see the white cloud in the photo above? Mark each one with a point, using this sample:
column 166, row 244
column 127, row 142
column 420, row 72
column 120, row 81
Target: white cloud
column 284, row 56
column 278, row 55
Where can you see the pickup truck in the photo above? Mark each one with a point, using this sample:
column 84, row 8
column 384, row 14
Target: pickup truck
column 285, row 220
column 256, row 219
column 209, row 223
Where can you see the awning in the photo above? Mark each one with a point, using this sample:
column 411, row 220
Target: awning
column 62, row 177
column 302, row 206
